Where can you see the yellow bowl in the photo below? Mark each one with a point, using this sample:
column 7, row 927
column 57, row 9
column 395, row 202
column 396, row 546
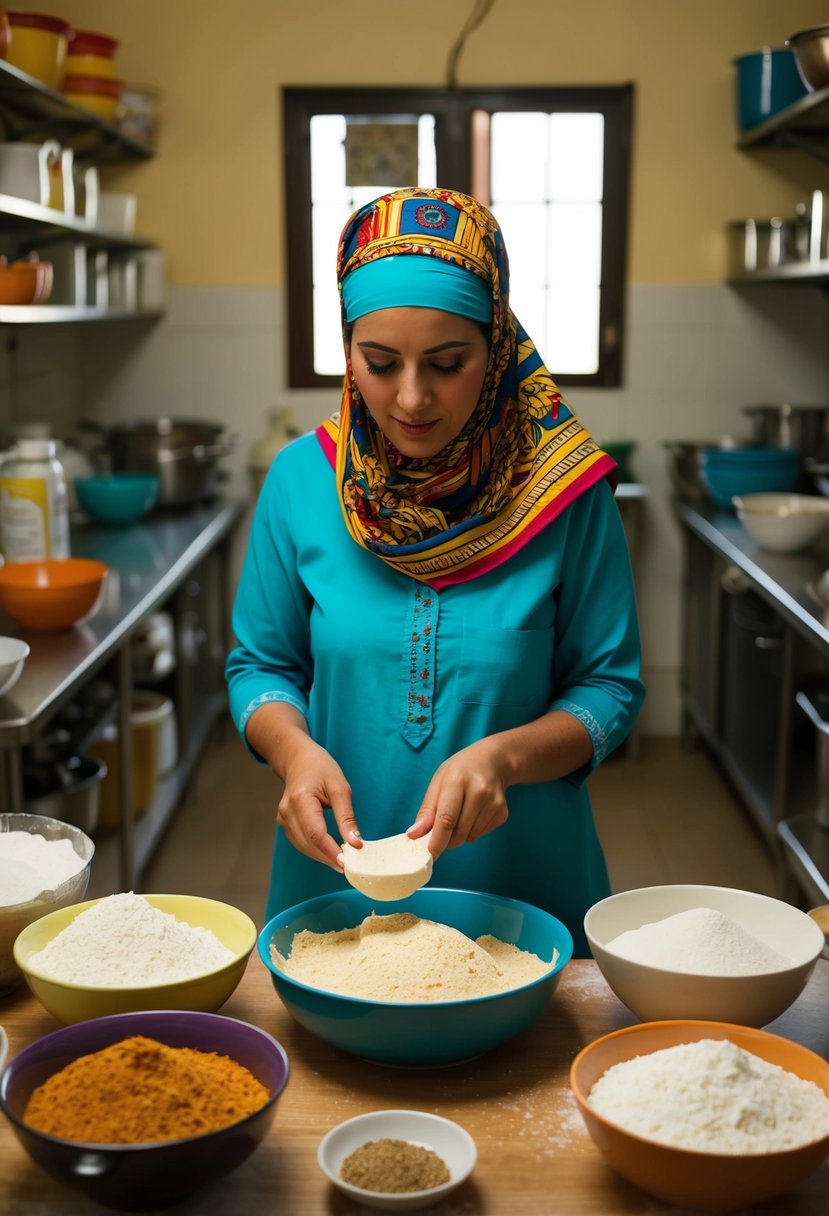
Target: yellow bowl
column 685, row 1177
column 205, row 993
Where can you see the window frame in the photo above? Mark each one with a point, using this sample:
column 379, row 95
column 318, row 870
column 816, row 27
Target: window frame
column 453, row 109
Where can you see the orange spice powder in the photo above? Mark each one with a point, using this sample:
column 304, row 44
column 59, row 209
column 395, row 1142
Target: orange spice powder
column 139, row 1091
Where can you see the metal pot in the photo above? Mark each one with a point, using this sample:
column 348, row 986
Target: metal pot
column 802, row 427
column 183, row 452
column 69, row 790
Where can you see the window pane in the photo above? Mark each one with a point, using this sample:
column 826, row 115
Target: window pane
column 575, row 243
column 332, row 202
column 519, row 148
column 576, row 157
column 573, row 329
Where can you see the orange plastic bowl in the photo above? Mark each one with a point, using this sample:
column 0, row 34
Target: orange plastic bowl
column 51, row 595
column 686, row 1178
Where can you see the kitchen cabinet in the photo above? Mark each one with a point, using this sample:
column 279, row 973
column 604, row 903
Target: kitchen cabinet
column 179, row 561
column 29, row 111
column 803, row 126
column 753, row 637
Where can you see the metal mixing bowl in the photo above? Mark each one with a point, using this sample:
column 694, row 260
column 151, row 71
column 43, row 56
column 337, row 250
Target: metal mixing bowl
column 685, row 463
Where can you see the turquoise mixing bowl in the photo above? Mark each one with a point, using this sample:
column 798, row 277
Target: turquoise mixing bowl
column 425, row 1033
column 729, row 473
column 117, row 499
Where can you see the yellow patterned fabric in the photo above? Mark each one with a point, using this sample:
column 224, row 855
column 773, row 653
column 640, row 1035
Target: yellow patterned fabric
column 521, row 458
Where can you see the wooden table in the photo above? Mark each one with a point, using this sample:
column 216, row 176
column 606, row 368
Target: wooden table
column 534, row 1155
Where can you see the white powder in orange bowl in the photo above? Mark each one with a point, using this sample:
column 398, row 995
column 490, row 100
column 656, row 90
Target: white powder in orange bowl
column 403, row 957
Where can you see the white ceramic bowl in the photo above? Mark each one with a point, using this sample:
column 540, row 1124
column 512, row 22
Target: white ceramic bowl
column 449, row 1140
column 783, row 523
column 13, row 654
column 658, row 993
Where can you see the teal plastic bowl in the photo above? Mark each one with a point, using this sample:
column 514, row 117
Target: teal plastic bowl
column 729, row 473
column 117, row 499
column 427, row 1033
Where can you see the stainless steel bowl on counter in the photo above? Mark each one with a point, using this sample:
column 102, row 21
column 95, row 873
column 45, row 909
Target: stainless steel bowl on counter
column 183, row 452
column 685, row 463
column 782, row 425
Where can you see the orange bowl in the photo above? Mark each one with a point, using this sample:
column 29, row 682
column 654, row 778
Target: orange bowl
column 51, row 595
column 25, row 282
column 685, row 1177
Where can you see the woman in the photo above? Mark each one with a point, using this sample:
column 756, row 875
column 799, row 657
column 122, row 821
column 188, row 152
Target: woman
column 436, row 620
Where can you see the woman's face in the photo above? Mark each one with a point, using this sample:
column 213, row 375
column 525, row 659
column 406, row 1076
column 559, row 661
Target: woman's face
column 420, row 373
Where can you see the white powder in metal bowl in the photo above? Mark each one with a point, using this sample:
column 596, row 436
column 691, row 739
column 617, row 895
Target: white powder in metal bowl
column 123, row 941
column 712, row 1096
column 700, row 941
column 30, row 864
column 403, row 957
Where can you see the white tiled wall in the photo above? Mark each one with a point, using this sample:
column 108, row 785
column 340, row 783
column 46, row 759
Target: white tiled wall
column 695, row 355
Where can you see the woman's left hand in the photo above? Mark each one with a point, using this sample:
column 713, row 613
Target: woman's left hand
column 466, row 798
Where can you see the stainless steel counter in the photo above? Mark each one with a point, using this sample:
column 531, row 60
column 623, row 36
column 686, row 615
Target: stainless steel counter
column 148, row 564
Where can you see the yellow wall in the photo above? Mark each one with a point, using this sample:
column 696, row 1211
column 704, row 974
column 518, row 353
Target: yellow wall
column 212, row 196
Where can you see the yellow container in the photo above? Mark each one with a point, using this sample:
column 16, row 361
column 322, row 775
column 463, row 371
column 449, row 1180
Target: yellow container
column 90, row 65
column 149, row 714
column 37, row 45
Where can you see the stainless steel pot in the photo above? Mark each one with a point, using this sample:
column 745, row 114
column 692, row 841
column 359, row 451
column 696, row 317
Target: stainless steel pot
column 802, row 427
column 69, row 790
column 183, row 452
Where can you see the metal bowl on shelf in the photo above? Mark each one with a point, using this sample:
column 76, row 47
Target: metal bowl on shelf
column 811, row 53
column 685, row 463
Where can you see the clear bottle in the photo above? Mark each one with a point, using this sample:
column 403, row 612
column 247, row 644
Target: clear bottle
column 34, row 503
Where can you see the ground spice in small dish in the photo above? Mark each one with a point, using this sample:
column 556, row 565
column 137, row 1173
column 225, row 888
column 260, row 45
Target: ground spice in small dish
column 140, row 1091
column 394, row 1166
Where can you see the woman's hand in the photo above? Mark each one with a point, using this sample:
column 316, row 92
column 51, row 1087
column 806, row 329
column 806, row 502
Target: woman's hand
column 313, row 781
column 466, row 798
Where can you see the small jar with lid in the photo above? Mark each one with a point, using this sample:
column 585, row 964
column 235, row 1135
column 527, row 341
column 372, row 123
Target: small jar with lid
column 34, row 505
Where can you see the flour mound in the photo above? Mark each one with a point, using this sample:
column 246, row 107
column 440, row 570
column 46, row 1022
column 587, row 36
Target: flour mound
column 700, row 941
column 123, row 941
column 712, row 1096
column 405, row 958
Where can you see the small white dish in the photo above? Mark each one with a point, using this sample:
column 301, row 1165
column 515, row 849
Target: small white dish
column 391, row 868
column 449, row 1140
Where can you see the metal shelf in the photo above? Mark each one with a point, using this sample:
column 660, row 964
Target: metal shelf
column 29, row 110
column 54, row 314
column 804, row 125
column 793, row 272
column 19, row 216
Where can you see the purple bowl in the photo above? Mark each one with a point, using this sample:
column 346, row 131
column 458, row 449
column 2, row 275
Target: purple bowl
column 141, row 1177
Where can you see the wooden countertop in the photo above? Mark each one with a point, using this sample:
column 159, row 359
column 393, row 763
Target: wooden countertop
column 534, row 1155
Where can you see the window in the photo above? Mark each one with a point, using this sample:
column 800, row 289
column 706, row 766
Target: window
column 552, row 164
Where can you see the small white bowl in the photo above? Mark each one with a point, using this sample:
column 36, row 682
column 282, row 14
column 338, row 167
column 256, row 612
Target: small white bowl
column 659, row 993
column 13, row 654
column 449, row 1140
column 783, row 523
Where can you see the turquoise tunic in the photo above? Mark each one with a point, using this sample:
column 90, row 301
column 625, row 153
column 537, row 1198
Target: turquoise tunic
column 393, row 677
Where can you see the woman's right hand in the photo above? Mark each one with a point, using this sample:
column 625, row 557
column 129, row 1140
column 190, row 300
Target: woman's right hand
column 313, row 781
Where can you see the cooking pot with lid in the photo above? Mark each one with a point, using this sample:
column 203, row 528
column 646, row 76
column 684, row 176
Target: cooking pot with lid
column 183, row 452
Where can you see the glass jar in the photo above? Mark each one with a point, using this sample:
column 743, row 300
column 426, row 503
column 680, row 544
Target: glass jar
column 34, row 503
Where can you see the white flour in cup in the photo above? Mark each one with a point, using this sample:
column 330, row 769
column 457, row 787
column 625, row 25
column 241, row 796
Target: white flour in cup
column 31, row 864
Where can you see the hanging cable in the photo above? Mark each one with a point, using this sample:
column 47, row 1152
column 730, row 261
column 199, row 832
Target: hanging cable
column 480, row 9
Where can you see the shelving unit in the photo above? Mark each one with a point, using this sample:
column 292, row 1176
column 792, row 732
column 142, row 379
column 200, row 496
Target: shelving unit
column 30, row 111
column 805, row 127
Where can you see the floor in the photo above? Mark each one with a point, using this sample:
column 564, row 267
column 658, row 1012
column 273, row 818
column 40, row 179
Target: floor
column 668, row 816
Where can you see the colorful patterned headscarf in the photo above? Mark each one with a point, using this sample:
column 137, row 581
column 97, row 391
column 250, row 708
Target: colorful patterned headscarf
column 519, row 461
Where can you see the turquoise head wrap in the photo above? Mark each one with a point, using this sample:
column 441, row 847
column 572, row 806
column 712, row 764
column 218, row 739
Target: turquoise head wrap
column 423, row 282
